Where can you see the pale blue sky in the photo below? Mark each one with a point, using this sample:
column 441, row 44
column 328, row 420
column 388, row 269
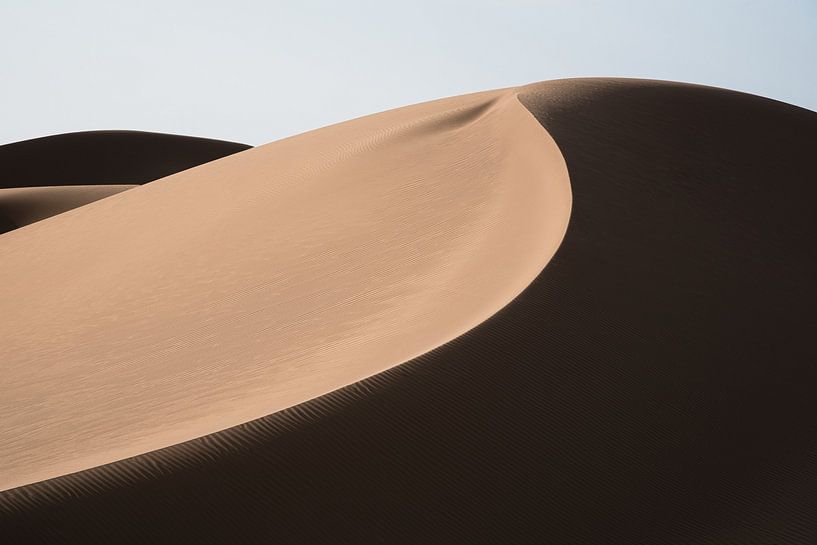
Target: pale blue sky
column 255, row 71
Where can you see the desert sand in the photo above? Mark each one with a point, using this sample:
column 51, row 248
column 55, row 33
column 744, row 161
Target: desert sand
column 651, row 382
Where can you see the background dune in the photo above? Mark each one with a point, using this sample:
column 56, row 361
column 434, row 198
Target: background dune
column 105, row 157
column 20, row 206
column 46, row 176
column 654, row 384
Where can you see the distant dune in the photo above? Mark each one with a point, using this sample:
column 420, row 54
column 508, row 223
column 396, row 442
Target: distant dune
column 50, row 175
column 20, row 206
column 105, row 157
column 578, row 311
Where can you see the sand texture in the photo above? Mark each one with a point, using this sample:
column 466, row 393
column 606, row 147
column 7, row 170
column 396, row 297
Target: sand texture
column 651, row 382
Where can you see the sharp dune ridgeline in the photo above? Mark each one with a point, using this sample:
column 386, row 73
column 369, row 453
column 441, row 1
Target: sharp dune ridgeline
column 578, row 311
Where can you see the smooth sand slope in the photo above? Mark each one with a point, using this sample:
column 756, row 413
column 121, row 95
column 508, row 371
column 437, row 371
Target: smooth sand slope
column 241, row 287
column 654, row 384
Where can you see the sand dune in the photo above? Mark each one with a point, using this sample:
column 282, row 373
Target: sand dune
column 652, row 384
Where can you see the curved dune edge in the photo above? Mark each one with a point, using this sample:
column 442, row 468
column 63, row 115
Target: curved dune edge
column 256, row 282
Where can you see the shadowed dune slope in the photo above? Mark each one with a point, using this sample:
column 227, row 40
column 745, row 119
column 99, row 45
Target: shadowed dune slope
column 654, row 384
column 46, row 176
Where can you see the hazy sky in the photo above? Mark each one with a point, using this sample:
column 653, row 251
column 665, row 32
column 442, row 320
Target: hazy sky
column 256, row 71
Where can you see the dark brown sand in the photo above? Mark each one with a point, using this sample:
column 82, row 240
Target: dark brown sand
column 654, row 384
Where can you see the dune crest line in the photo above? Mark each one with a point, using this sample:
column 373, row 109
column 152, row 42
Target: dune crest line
column 238, row 288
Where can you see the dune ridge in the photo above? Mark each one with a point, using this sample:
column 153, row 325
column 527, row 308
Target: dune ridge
column 253, row 283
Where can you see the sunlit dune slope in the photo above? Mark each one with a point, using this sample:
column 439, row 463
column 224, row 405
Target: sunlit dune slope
column 237, row 288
